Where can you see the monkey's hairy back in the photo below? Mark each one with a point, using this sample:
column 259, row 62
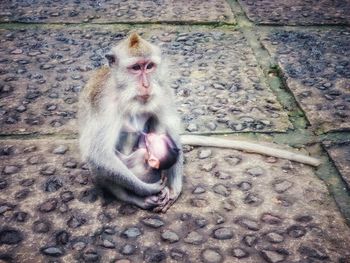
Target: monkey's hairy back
column 92, row 91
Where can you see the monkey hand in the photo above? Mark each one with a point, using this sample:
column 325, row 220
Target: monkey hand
column 167, row 197
column 157, row 187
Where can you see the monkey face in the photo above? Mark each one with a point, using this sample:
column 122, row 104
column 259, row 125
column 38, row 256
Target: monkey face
column 142, row 70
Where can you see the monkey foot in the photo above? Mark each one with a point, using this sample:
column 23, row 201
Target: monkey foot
column 167, row 197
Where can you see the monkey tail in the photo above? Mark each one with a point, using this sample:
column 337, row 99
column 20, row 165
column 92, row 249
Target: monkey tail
column 196, row 140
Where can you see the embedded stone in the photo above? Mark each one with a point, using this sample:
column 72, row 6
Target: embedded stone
column 248, row 223
column 233, row 160
column 41, row 226
column 108, row 243
column 219, row 219
column 281, row 186
column 11, row 169
column 178, row 254
column 34, row 160
column 27, row 182
column 52, row 251
column 303, row 219
column 192, row 127
column 154, row 255
column 274, row 237
column 296, row 231
column 22, row 194
column 88, row 196
column 123, row 261
column 271, row 219
column 198, row 190
column 90, row 255
column 170, row 236
column 48, row 170
column 66, row 196
column 221, row 190
column 244, row 186
column 199, row 202
column 203, row 154
column 316, row 253
column 185, row 216
column 223, row 233
column 3, row 184
column 250, row 240
column 76, row 221
column 78, row 245
column 126, row 209
column 17, row 51
column 52, row 184
column 222, row 175
column 153, row 222
column 6, row 207
column 252, row 199
column 20, row 216
column 208, row 166
column 194, row 238
column 128, row 249
column 238, row 252
column 256, row 171
column 62, row 237
column 21, row 108
column 48, row 205
column 201, row 222
column 63, row 208
column 273, row 256
column 70, row 164
column 210, row 255
column 10, row 236
column 131, row 232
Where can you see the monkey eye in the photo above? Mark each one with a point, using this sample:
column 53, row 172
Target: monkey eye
column 136, row 67
column 150, row 65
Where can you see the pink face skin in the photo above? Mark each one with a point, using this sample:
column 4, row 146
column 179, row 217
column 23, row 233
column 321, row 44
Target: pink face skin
column 157, row 148
column 143, row 69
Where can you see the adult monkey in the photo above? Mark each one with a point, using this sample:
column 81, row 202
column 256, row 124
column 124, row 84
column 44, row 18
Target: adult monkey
column 129, row 98
column 118, row 103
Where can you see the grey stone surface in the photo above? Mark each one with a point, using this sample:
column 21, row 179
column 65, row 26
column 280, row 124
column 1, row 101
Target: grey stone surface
column 316, row 68
column 340, row 155
column 301, row 224
column 106, row 11
column 42, row 71
column 298, row 12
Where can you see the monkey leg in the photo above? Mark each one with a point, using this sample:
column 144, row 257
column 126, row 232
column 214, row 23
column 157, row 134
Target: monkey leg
column 122, row 194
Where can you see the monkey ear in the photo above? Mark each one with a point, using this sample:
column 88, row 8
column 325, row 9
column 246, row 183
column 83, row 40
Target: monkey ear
column 111, row 59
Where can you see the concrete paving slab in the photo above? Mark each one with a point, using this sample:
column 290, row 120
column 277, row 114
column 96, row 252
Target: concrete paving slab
column 316, row 67
column 106, row 11
column 298, row 12
column 340, row 155
column 215, row 76
column 235, row 207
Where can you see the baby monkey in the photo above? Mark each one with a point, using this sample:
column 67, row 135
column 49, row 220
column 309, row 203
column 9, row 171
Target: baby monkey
column 153, row 151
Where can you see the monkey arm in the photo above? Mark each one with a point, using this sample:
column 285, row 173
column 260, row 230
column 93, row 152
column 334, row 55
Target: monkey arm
column 112, row 169
column 99, row 152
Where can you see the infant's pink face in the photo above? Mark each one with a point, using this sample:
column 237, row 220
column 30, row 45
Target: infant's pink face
column 157, row 148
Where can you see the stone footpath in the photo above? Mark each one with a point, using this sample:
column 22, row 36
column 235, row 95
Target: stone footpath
column 276, row 72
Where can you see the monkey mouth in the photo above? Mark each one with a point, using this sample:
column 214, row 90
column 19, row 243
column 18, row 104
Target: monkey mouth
column 143, row 98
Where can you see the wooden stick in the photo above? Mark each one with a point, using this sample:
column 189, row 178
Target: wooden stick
column 248, row 147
